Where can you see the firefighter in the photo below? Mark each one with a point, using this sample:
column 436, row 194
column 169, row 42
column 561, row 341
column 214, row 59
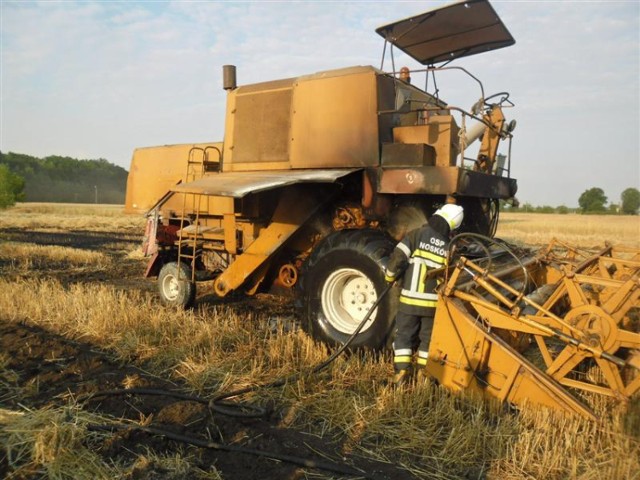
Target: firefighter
column 420, row 251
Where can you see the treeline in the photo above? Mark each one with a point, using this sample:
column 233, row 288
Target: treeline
column 529, row 208
column 592, row 200
column 67, row 180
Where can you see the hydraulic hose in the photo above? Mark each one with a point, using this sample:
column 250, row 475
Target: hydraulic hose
column 493, row 241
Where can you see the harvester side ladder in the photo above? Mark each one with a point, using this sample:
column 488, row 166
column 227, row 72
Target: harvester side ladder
column 204, row 163
column 191, row 239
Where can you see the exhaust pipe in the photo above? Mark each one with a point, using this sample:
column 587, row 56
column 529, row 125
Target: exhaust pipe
column 229, row 77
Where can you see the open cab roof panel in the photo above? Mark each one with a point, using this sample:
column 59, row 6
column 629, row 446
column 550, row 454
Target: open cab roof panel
column 446, row 33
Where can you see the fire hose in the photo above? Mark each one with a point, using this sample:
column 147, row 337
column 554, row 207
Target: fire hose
column 220, row 404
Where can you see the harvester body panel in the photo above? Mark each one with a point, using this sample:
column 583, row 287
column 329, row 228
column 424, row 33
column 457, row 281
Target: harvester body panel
column 240, row 184
column 154, row 170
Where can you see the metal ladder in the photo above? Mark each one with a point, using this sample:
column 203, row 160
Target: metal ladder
column 196, row 168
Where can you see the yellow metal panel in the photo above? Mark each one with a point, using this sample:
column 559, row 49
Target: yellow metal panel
column 462, row 355
column 490, row 140
column 441, row 132
column 252, row 167
column 230, row 239
column 335, row 120
column 295, row 207
column 219, row 205
column 153, row 171
column 229, row 126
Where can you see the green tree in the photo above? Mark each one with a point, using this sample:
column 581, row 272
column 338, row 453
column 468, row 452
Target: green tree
column 545, row 209
column 11, row 187
column 592, row 200
column 65, row 179
column 630, row 201
column 527, row 207
column 562, row 209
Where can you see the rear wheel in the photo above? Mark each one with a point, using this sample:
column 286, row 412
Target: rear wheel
column 340, row 282
column 175, row 285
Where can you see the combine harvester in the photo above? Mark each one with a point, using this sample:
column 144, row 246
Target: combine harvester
column 320, row 175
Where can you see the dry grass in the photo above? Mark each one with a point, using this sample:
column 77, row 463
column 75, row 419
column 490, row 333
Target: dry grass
column 54, row 443
column 65, row 217
column 552, row 446
column 25, row 257
column 586, row 231
column 67, row 209
column 170, row 467
column 219, row 347
column 215, row 349
column 8, row 379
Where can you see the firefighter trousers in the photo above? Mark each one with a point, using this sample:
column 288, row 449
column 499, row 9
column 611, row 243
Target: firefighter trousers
column 411, row 331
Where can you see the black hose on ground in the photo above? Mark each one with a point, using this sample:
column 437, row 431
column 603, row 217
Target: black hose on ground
column 218, row 401
column 219, row 405
column 303, row 462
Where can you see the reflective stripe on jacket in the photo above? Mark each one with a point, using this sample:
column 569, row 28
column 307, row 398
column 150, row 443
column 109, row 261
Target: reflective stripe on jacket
column 422, row 250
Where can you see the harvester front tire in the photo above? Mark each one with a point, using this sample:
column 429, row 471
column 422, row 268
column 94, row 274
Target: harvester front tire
column 339, row 282
column 175, row 285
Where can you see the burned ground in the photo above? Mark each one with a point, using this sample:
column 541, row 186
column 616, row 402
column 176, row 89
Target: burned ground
column 77, row 318
column 51, row 370
column 47, row 370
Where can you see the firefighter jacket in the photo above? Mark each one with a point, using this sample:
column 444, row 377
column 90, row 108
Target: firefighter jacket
column 420, row 251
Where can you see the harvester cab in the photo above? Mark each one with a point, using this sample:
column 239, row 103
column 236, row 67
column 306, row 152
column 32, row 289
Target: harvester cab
column 435, row 39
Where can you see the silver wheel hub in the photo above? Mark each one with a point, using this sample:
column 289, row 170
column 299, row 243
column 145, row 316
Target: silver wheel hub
column 347, row 296
column 170, row 287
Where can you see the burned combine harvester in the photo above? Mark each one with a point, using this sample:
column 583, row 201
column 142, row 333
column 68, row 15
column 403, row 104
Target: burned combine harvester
column 320, row 175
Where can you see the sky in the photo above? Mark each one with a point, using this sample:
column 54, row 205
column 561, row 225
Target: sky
column 97, row 79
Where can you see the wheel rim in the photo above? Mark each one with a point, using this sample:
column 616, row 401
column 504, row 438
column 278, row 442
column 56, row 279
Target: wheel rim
column 346, row 297
column 170, row 287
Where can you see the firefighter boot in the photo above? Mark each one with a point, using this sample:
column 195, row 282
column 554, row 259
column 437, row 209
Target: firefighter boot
column 402, row 378
column 422, row 377
column 421, row 368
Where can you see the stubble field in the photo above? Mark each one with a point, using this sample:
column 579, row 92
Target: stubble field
column 77, row 318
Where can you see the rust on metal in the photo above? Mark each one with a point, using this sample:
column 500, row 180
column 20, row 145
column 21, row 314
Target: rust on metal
column 444, row 181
